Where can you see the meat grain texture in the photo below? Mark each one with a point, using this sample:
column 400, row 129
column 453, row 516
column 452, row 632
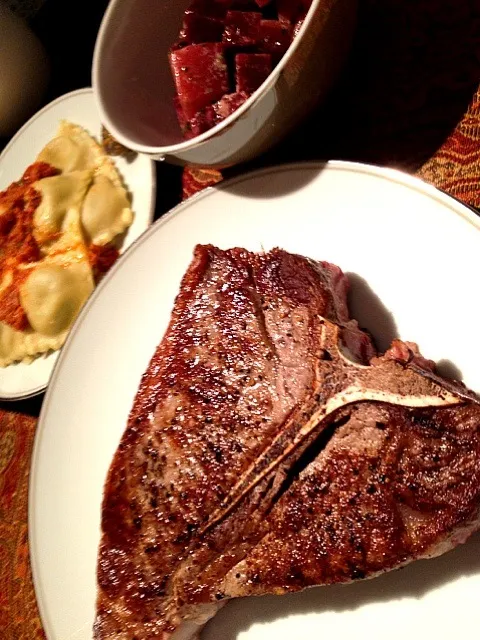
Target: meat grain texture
column 269, row 449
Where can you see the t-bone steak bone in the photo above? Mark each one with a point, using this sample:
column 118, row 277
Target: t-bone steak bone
column 260, row 458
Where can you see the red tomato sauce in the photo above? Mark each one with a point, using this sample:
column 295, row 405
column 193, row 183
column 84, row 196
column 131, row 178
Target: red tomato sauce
column 18, row 203
column 101, row 259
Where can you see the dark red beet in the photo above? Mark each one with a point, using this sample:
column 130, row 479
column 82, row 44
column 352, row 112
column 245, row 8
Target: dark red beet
column 228, row 104
column 214, row 33
column 209, row 8
column 197, row 29
column 213, row 114
column 251, row 69
column 182, row 121
column 202, row 121
column 291, row 10
column 275, row 37
column 242, row 28
column 200, row 75
column 243, row 5
column 298, row 26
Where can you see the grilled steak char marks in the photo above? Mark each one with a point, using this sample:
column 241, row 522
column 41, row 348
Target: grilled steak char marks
column 259, row 459
column 338, row 383
column 386, row 383
column 239, row 356
column 392, row 485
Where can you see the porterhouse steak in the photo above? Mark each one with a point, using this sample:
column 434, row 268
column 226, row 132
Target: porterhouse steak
column 270, row 449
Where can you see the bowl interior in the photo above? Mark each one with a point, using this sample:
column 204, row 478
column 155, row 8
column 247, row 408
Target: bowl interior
column 133, row 78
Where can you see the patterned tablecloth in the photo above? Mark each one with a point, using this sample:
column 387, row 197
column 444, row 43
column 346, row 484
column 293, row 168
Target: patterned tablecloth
column 410, row 98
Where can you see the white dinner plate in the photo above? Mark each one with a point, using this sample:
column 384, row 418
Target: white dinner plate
column 414, row 258
column 18, row 381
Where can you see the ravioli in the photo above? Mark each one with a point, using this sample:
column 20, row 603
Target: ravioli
column 24, row 346
column 79, row 209
column 59, row 195
column 106, row 212
column 52, row 293
column 73, row 149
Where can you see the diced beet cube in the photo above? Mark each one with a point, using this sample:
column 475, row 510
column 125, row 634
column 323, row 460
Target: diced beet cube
column 209, row 8
column 242, row 28
column 275, row 37
column 262, row 3
column 197, row 29
column 251, row 69
column 291, row 10
column 202, row 121
column 200, row 75
column 297, row 27
column 179, row 44
column 243, row 5
column 228, row 104
column 287, row 10
column 182, row 121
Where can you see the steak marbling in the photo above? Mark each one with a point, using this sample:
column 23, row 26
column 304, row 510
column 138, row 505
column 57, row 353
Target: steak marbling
column 259, row 458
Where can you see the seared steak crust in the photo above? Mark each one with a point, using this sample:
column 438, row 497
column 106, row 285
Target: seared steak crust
column 239, row 356
column 258, row 458
column 393, row 484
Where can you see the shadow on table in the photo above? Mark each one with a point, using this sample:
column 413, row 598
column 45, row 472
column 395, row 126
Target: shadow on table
column 413, row 71
column 414, row 581
column 30, row 407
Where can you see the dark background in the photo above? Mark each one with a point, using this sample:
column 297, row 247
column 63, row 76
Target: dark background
column 413, row 69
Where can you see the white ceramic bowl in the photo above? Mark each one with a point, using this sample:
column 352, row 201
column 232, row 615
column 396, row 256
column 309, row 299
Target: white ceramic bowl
column 134, row 88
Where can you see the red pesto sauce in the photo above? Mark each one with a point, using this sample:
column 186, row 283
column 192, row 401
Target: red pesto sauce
column 18, row 203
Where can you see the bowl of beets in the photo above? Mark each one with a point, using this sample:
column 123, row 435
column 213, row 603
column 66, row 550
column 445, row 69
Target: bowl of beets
column 215, row 82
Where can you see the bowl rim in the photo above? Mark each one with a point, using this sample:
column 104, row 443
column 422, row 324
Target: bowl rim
column 187, row 145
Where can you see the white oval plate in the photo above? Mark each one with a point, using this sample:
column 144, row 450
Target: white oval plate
column 21, row 380
column 419, row 252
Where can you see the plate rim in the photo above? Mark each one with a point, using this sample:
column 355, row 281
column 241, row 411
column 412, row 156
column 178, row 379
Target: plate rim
column 33, row 392
column 392, row 175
